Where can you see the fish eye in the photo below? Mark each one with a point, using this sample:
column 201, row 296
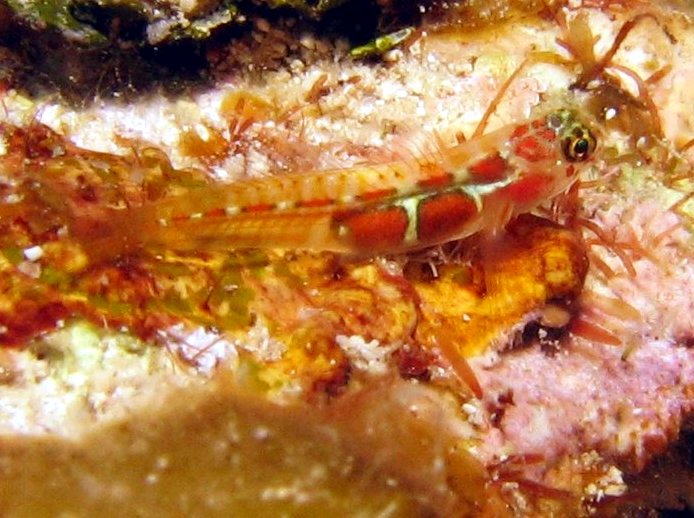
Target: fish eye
column 579, row 145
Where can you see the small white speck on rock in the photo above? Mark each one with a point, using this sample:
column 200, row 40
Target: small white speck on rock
column 33, row 253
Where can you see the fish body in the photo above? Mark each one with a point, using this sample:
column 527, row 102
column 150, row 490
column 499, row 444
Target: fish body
column 403, row 205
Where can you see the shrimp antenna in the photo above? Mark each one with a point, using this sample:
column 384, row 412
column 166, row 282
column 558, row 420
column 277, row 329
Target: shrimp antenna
column 531, row 59
column 644, row 96
column 686, row 146
column 579, row 43
column 597, row 67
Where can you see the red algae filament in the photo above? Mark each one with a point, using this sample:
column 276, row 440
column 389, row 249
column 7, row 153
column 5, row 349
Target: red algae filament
column 593, row 332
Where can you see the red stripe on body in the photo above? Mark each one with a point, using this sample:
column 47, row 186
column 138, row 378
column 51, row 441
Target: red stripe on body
column 260, row 207
column 443, row 215
column 376, row 229
column 215, row 213
column 315, row 203
column 520, row 131
column 532, row 149
column 548, row 134
column 529, row 188
column 490, row 169
column 377, row 195
column 433, row 182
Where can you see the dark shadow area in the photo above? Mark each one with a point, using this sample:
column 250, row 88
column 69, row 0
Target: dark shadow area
column 45, row 61
column 666, row 488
